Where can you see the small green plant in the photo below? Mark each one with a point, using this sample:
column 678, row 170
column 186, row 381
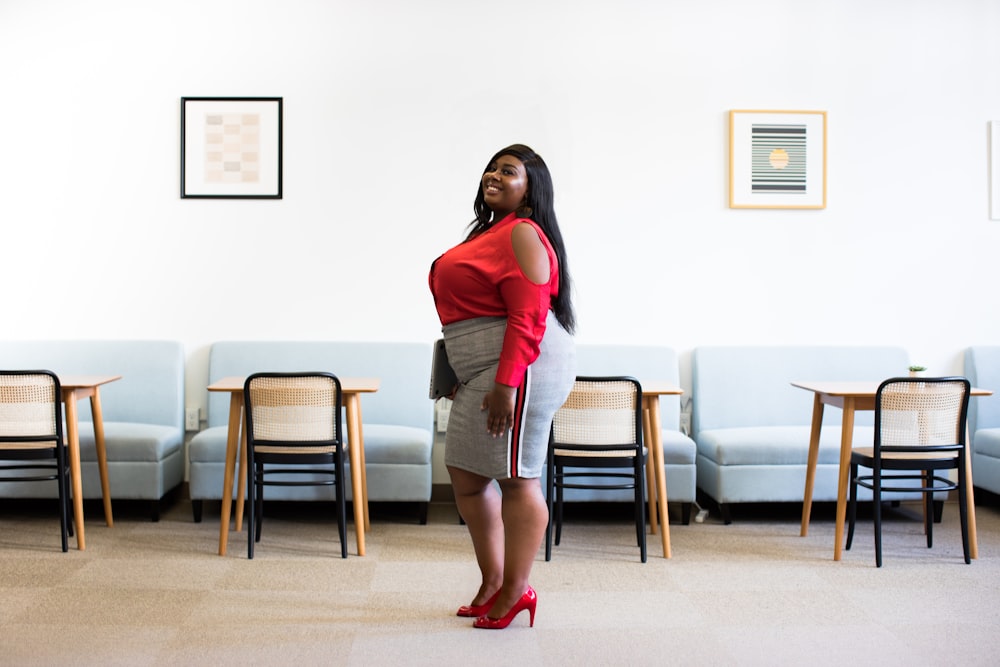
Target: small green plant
column 918, row 369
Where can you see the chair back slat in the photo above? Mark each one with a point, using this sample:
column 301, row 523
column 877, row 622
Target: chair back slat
column 598, row 413
column 29, row 405
column 294, row 409
column 915, row 413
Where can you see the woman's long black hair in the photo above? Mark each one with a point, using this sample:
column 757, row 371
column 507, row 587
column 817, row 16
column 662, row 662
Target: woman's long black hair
column 539, row 207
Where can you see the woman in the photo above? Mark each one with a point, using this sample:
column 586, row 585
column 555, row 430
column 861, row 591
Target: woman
column 503, row 297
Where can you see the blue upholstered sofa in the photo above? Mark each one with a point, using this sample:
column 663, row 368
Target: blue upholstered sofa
column 650, row 362
column 143, row 413
column 982, row 367
column 397, row 420
column 752, row 426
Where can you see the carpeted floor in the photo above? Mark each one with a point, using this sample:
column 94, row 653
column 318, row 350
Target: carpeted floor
column 750, row 593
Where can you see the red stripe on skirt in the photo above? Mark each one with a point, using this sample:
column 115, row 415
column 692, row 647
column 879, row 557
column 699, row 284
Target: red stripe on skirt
column 520, row 410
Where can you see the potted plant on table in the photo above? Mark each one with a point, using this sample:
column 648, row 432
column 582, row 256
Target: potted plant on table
column 917, row 371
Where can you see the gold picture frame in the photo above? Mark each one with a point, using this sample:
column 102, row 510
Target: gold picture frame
column 777, row 159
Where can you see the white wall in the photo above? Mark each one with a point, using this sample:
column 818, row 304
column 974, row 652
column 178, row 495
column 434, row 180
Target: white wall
column 392, row 108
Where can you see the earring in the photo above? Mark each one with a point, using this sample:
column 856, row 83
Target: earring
column 524, row 211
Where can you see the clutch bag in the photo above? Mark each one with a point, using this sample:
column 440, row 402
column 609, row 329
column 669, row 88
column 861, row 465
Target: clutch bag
column 443, row 378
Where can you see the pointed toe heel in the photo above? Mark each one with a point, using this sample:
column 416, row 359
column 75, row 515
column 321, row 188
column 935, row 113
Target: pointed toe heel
column 528, row 601
column 477, row 610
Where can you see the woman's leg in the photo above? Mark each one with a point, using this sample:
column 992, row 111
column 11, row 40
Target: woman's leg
column 525, row 516
column 479, row 505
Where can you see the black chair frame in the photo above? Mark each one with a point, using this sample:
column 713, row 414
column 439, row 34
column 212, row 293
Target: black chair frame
column 922, row 466
column 633, row 457
column 258, row 476
column 31, row 458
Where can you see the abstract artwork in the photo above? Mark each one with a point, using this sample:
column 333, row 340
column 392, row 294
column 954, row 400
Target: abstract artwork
column 777, row 159
column 231, row 147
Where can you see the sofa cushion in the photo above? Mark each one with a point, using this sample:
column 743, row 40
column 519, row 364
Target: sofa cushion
column 774, row 445
column 131, row 442
column 988, row 442
column 384, row 443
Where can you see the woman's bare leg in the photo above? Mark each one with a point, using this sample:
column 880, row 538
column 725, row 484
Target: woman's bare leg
column 480, row 507
column 525, row 516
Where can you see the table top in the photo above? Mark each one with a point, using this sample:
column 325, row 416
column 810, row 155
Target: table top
column 659, row 388
column 858, row 389
column 235, row 383
column 86, row 381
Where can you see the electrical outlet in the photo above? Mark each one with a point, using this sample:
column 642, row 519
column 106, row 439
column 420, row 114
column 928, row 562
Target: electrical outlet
column 192, row 419
column 686, row 423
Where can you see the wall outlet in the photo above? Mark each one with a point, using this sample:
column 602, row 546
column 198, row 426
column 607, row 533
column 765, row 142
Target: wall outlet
column 443, row 411
column 192, row 419
column 686, row 423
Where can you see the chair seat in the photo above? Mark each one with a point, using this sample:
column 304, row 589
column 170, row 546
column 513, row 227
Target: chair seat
column 596, row 453
column 863, row 454
column 264, row 449
column 13, row 446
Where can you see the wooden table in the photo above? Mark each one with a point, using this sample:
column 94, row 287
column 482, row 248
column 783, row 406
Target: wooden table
column 75, row 388
column 351, row 390
column 851, row 397
column 651, row 392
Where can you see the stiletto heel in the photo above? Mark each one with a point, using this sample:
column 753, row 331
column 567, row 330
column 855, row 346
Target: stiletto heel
column 477, row 610
column 528, row 601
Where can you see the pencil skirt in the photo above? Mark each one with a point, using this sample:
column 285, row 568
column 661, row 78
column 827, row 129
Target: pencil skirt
column 474, row 352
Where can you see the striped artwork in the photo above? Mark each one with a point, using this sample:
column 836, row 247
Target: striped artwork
column 778, row 158
column 232, row 148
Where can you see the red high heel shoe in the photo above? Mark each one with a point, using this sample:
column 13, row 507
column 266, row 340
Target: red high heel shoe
column 477, row 610
column 528, row 601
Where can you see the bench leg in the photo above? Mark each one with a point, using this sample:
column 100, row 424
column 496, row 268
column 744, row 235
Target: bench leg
column 422, row 512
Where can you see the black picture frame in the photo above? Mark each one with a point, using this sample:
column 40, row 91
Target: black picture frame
column 231, row 147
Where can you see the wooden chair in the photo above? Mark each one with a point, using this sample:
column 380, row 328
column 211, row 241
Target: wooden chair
column 598, row 428
column 293, row 420
column 31, row 434
column 920, row 429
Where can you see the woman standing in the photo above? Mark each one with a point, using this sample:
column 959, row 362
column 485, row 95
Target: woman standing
column 503, row 297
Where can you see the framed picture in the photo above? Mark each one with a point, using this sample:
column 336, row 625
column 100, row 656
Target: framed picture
column 777, row 159
column 231, row 147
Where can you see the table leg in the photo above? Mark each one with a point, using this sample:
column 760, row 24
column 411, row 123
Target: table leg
column 232, row 443
column 76, row 481
column 656, row 447
column 241, row 490
column 807, row 496
column 102, row 454
column 970, row 501
column 846, row 438
column 650, row 479
column 356, row 455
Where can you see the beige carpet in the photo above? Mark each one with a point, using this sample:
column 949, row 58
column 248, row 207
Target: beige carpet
column 751, row 593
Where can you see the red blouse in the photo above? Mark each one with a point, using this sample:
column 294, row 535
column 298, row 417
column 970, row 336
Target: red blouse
column 481, row 278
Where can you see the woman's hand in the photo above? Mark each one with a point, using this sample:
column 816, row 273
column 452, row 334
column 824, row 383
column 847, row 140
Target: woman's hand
column 499, row 404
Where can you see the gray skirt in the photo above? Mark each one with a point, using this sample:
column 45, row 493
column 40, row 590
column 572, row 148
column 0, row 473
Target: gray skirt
column 474, row 352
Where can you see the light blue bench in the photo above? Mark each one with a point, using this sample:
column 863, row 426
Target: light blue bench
column 143, row 413
column 752, row 426
column 650, row 362
column 397, row 420
column 982, row 367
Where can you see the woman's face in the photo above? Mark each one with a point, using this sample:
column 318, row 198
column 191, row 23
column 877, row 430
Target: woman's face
column 505, row 185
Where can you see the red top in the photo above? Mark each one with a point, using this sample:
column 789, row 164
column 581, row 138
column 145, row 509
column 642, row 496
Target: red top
column 481, row 278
